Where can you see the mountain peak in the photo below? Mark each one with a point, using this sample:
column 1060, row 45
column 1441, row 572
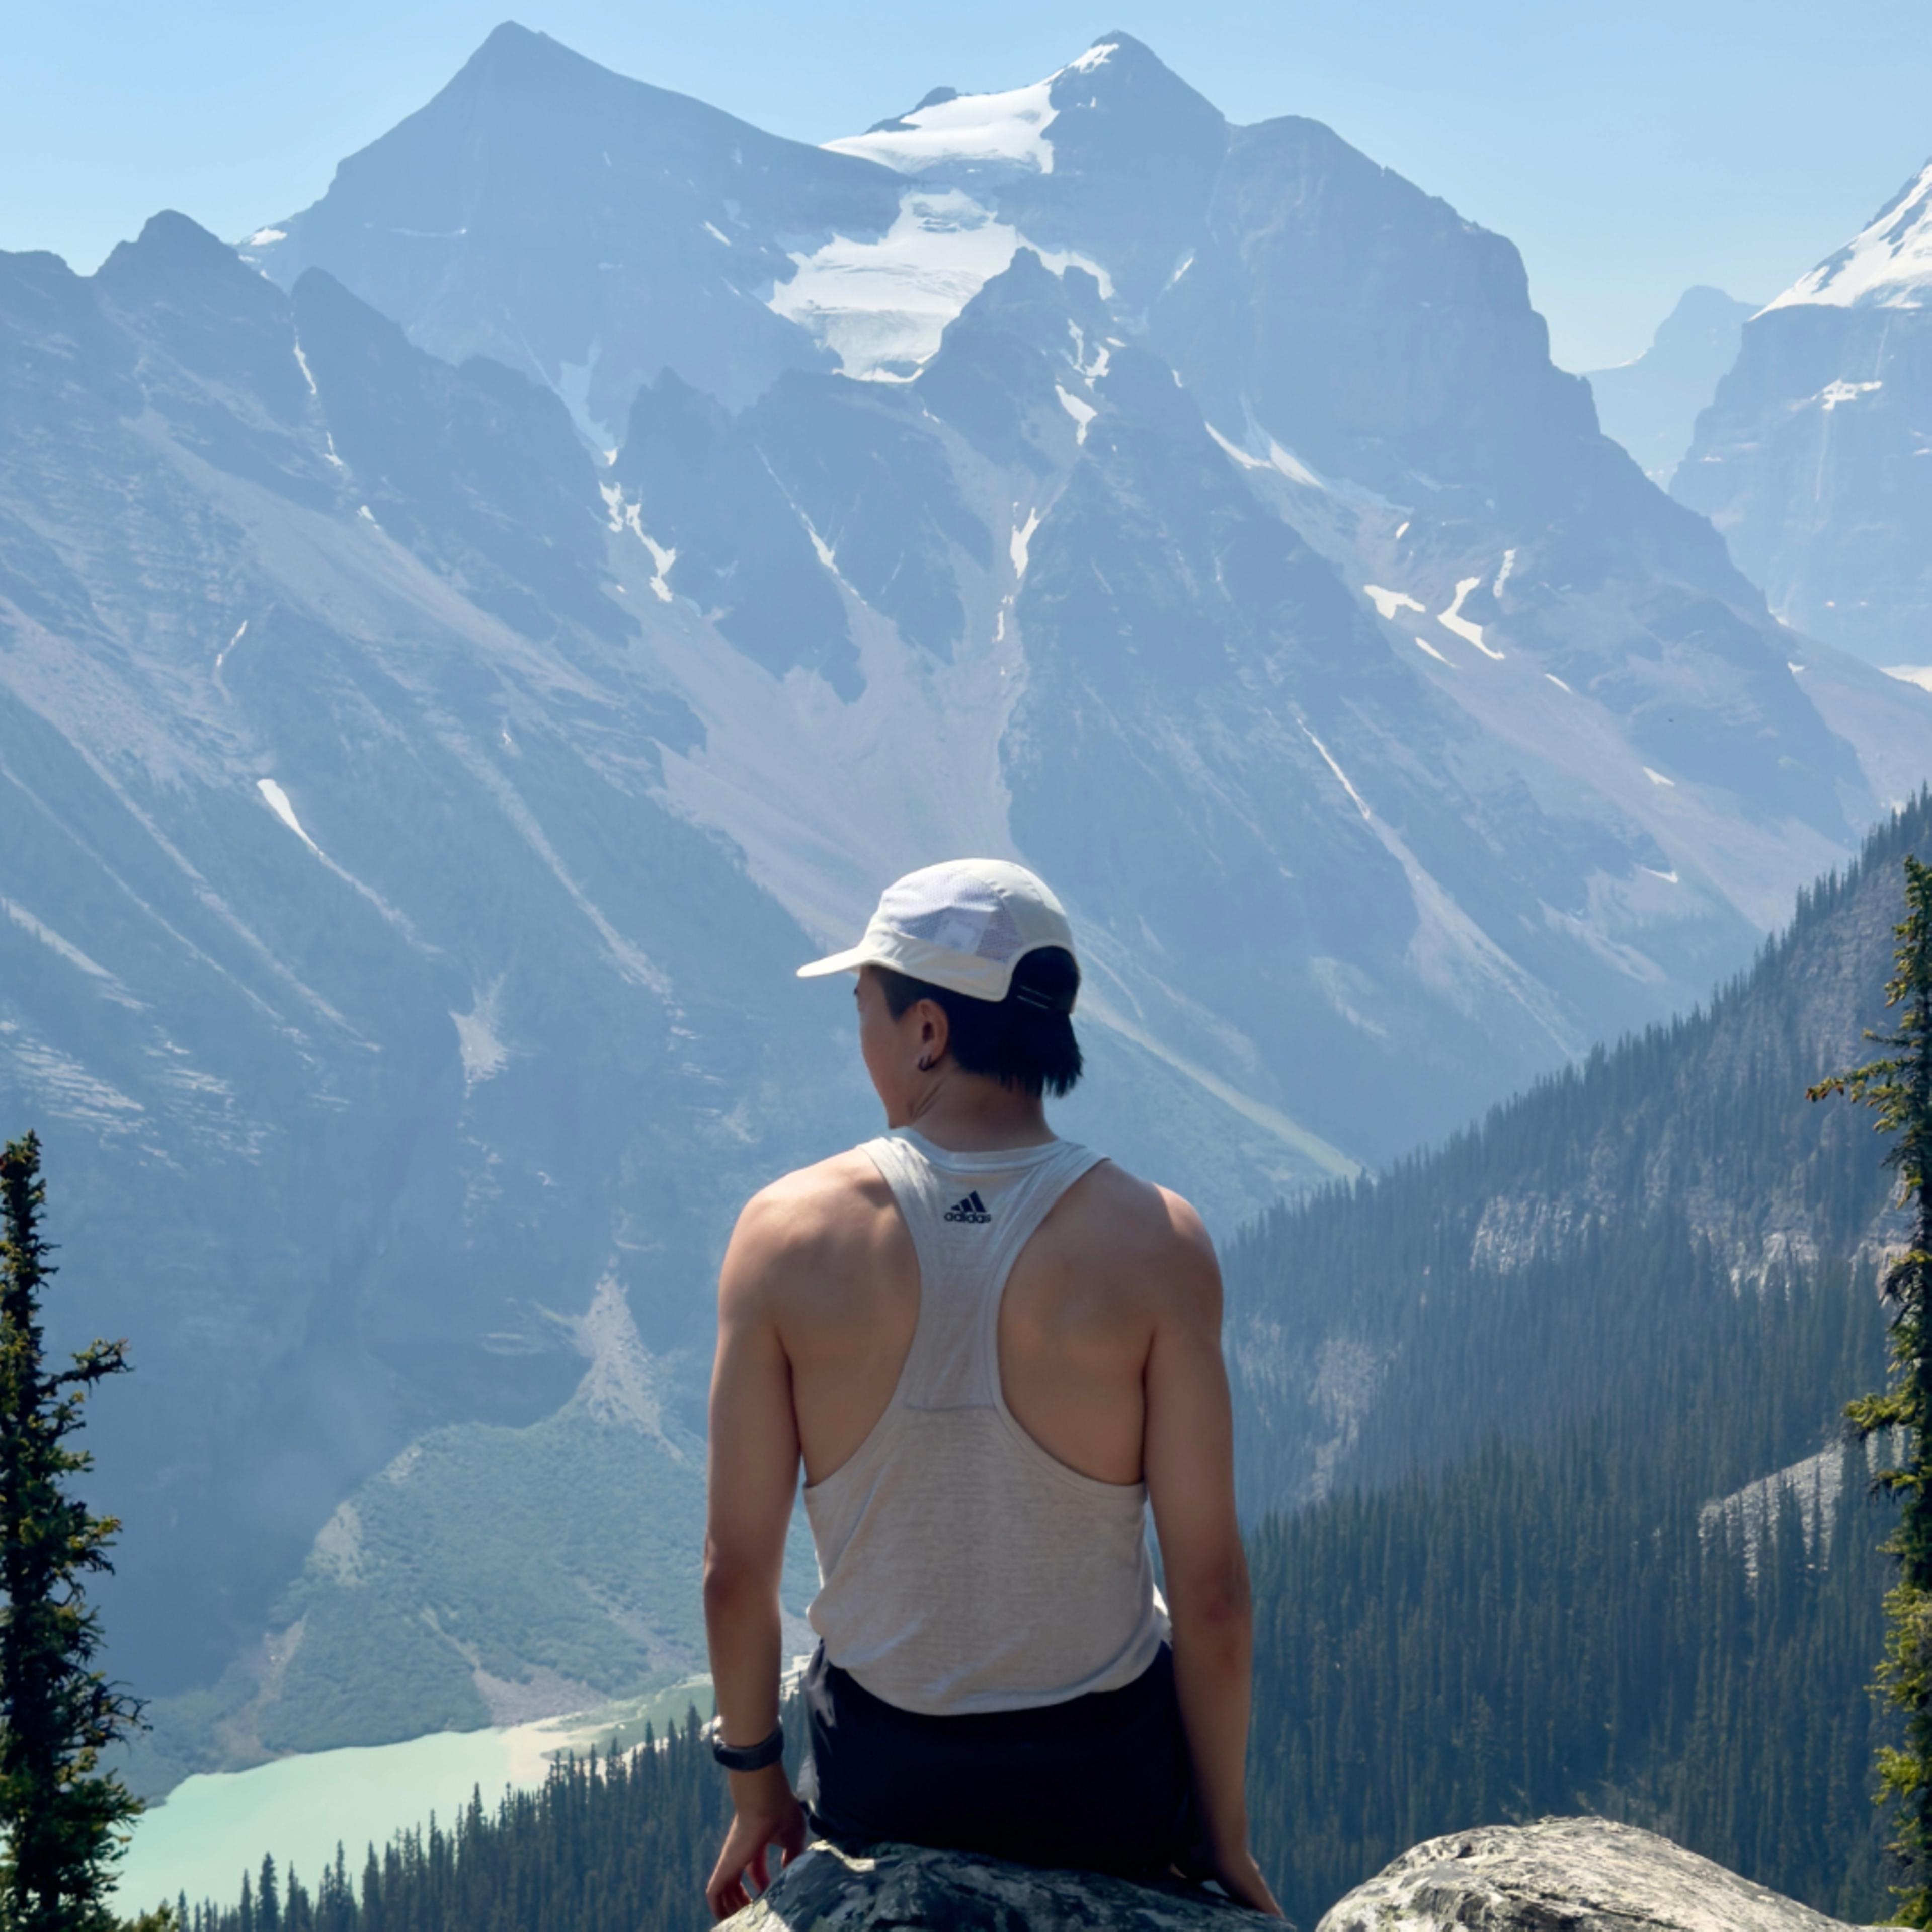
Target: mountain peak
column 1105, row 48
column 1008, row 129
column 173, row 251
column 510, row 41
column 1888, row 264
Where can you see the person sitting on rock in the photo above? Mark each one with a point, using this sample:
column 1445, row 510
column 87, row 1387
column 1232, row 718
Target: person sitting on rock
column 992, row 1349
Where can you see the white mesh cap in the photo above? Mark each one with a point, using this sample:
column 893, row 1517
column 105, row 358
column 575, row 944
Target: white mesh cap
column 963, row 925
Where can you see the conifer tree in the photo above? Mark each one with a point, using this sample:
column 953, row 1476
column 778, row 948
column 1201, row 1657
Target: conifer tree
column 1898, row 1087
column 63, row 1817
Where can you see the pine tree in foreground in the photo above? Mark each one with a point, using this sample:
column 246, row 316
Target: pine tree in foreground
column 63, row 1818
column 1899, row 1089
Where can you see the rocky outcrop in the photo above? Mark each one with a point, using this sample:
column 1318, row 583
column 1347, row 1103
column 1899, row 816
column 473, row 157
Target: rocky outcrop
column 896, row 1887
column 1581, row 1874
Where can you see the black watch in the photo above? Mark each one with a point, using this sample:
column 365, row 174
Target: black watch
column 750, row 1757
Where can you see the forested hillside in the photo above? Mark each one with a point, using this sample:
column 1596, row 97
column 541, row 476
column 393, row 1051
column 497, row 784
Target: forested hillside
column 1566, row 1257
column 1570, row 1390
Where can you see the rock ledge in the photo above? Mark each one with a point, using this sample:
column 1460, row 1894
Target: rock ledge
column 1577, row 1874
column 894, row 1888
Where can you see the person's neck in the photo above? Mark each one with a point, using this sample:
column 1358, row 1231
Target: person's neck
column 966, row 1113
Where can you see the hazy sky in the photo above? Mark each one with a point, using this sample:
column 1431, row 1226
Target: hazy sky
column 1628, row 151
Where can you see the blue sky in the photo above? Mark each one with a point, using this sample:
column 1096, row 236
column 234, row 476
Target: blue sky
column 1629, row 151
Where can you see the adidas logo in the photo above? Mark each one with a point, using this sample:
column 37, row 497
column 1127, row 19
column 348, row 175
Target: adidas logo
column 971, row 1209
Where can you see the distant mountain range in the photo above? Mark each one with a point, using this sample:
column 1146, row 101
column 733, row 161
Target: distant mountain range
column 460, row 651
column 1651, row 405
column 1815, row 460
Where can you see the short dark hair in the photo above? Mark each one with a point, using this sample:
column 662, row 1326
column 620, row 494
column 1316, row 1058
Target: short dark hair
column 1024, row 1041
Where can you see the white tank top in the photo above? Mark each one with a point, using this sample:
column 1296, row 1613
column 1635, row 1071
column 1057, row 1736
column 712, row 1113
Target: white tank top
column 963, row 1568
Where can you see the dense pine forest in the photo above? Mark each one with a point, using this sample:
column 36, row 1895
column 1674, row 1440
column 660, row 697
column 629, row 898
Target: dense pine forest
column 1538, row 1555
column 622, row 1842
column 1537, row 1635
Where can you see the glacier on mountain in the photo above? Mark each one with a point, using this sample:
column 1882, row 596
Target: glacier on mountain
column 881, row 305
column 1009, row 127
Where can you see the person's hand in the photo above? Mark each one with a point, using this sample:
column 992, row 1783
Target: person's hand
column 1240, row 1878
column 766, row 1813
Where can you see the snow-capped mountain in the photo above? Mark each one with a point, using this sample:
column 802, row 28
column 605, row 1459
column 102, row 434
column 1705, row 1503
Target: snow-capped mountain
column 581, row 228
column 1651, row 404
column 448, row 688
column 1815, row 459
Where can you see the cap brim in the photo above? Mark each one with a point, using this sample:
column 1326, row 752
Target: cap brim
column 850, row 961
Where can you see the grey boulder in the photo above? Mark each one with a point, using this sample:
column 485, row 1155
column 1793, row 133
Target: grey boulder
column 1581, row 1874
column 903, row 1886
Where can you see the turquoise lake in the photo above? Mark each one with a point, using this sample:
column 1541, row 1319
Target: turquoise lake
column 214, row 1827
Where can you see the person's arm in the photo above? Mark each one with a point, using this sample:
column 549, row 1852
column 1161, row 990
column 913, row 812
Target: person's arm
column 753, row 1475
column 1189, row 1462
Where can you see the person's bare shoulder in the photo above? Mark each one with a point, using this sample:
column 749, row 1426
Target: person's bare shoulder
column 1151, row 1233
column 805, row 1223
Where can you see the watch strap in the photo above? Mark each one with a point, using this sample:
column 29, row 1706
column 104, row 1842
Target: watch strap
column 750, row 1757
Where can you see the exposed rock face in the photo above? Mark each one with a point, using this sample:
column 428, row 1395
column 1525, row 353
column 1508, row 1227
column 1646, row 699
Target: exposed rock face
column 904, row 1885
column 1582, row 1874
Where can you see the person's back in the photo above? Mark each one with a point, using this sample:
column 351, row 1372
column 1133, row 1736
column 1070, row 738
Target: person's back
column 989, row 1348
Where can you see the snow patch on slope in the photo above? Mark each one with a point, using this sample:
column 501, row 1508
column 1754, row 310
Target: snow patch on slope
column 278, row 803
column 1887, row 265
column 628, row 516
column 483, row 1051
column 970, row 127
column 1285, row 461
column 1388, row 602
column 881, row 305
column 1328, row 759
column 1833, row 394
column 1451, row 620
column 1021, row 542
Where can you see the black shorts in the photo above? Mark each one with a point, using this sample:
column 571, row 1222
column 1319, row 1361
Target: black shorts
column 1102, row 1783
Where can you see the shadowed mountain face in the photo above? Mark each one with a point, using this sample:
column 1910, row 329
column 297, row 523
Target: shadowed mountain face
column 428, row 767
column 1651, row 405
column 1815, row 459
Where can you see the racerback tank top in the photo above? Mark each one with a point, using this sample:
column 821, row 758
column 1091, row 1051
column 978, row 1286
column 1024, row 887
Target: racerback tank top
column 963, row 1568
